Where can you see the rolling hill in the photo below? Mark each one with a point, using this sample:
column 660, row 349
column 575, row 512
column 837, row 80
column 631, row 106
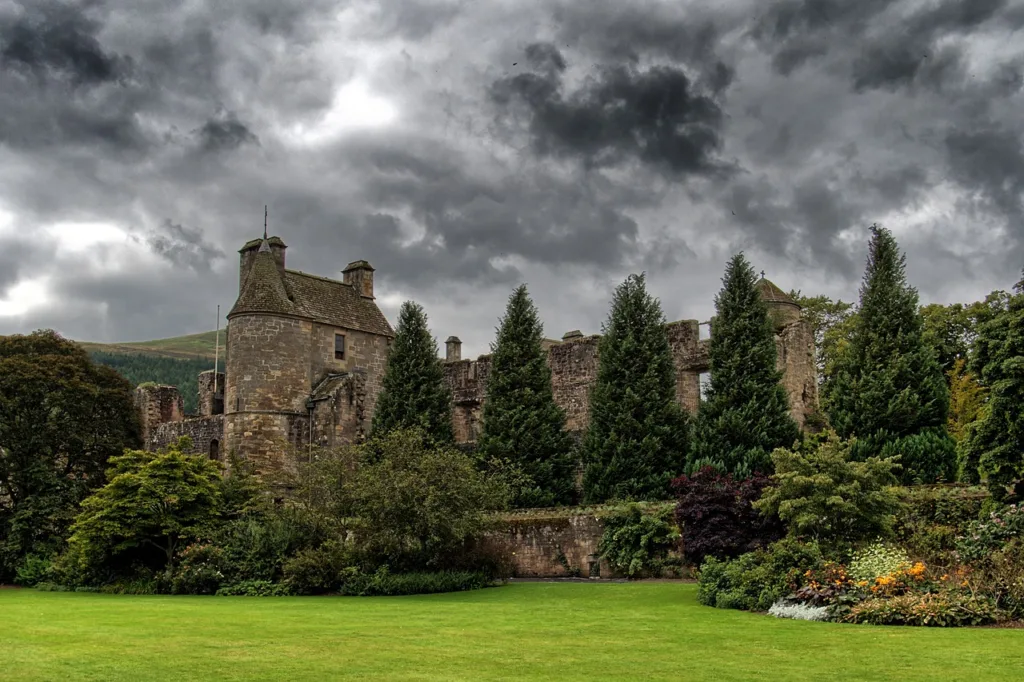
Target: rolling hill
column 191, row 347
column 176, row 361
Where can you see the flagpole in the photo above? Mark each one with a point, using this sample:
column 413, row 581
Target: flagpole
column 216, row 354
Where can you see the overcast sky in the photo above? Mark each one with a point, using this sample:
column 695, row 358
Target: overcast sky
column 465, row 147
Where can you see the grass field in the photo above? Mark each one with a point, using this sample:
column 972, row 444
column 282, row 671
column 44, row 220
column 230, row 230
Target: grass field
column 201, row 345
column 536, row 631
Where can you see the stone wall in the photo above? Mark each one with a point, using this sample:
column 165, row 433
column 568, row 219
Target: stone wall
column 555, row 547
column 211, row 393
column 157, row 405
column 207, row 434
column 573, row 364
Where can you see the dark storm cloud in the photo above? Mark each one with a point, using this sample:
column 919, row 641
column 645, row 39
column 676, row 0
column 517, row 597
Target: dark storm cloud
column 562, row 141
column 224, row 134
column 57, row 41
column 183, row 247
column 656, row 115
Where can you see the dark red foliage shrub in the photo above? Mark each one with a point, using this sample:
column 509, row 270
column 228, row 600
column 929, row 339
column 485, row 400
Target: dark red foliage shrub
column 716, row 516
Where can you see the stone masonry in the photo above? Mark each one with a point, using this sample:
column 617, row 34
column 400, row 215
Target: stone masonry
column 305, row 357
column 573, row 363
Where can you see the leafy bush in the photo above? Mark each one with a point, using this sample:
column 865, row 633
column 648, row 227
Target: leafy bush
column 254, row 588
column 145, row 585
column 383, row 583
column 200, row 570
column 417, row 506
column 256, row 547
column 154, row 504
column 756, row 580
column 988, row 535
column 316, row 571
column 33, row 570
column 784, row 609
column 877, row 560
column 824, row 496
column 637, row 543
column 716, row 515
column 944, row 609
column 932, row 517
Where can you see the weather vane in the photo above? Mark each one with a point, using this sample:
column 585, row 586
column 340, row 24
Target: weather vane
column 264, row 221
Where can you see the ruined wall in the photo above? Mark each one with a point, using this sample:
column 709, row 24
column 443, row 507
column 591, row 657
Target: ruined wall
column 207, row 434
column 557, row 547
column 211, row 393
column 467, row 380
column 795, row 344
column 573, row 364
column 573, row 371
column 158, row 405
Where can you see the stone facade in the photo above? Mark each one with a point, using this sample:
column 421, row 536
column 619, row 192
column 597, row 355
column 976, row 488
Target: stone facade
column 305, row 358
column 573, row 363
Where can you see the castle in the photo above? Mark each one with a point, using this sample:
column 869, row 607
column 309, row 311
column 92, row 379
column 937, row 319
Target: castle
column 305, row 356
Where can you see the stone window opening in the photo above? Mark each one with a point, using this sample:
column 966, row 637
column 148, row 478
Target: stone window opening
column 214, row 449
column 339, row 346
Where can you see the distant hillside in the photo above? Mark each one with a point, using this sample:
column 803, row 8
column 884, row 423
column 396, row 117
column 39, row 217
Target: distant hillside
column 175, row 362
column 193, row 346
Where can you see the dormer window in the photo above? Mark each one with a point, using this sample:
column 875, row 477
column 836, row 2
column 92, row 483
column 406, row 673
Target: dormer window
column 339, row 346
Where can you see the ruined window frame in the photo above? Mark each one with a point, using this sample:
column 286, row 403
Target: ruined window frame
column 341, row 336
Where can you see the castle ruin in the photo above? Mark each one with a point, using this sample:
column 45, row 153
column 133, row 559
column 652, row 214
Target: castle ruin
column 305, row 358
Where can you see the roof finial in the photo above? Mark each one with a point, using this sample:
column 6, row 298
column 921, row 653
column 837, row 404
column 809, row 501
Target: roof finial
column 264, row 221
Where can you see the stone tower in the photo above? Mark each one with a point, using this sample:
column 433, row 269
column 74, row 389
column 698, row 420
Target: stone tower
column 305, row 357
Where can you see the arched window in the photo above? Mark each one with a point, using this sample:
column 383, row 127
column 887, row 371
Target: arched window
column 214, row 448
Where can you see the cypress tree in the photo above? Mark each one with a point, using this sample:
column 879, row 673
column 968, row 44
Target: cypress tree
column 636, row 440
column 413, row 392
column 888, row 389
column 522, row 425
column 994, row 445
column 745, row 413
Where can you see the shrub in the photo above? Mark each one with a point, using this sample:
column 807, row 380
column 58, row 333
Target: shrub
column 316, row 571
column 256, row 547
column 877, row 560
column 146, row 585
column 944, row 609
column 716, row 515
column 784, row 609
column 200, row 570
column 383, row 583
column 931, row 518
column 254, row 588
column 999, row 574
column 636, row 543
column 33, row 570
column 758, row 579
column 824, row 496
column 988, row 535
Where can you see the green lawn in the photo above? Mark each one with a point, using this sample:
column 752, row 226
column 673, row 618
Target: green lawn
column 536, row 631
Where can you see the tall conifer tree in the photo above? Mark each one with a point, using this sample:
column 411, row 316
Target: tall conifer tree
column 414, row 393
column 888, row 389
column 522, row 424
column 745, row 413
column 637, row 438
column 994, row 445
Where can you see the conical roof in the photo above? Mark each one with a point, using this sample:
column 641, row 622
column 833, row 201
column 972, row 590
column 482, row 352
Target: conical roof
column 264, row 289
column 773, row 294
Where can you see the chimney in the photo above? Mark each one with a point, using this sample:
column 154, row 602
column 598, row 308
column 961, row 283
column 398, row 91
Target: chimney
column 453, row 349
column 573, row 335
column 359, row 274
